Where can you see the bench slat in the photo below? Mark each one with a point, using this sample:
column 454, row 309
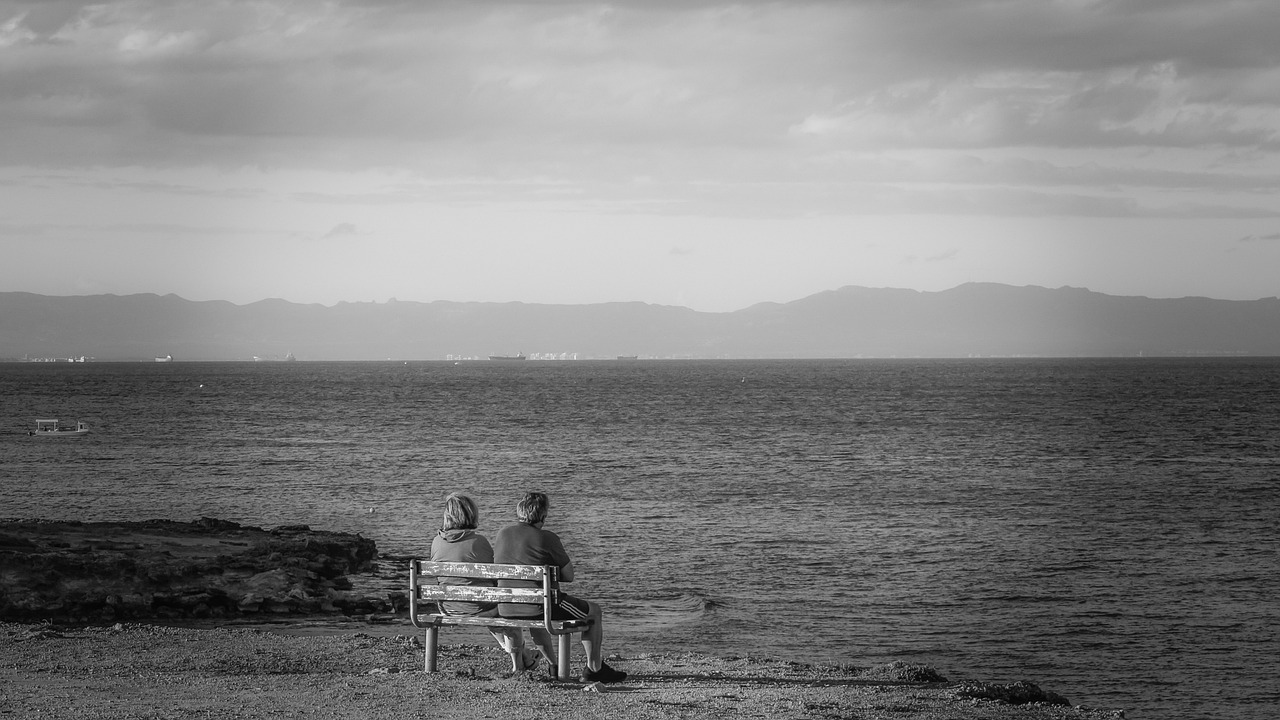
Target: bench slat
column 504, row 622
column 480, row 593
column 492, row 571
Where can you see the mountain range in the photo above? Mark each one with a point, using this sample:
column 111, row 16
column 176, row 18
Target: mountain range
column 975, row 319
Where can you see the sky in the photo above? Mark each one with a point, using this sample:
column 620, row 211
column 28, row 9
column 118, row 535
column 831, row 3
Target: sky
column 704, row 154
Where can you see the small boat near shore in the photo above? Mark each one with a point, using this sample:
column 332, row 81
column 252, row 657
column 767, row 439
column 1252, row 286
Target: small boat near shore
column 56, row 428
column 518, row 356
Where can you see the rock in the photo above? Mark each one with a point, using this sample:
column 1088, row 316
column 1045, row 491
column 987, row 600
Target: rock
column 94, row 572
column 208, row 524
column 41, row 633
column 9, row 541
column 1018, row 693
column 283, row 529
column 902, row 672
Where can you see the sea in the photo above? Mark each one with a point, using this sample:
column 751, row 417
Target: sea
column 1104, row 528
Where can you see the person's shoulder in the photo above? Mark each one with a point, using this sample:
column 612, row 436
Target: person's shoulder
column 507, row 533
column 508, row 529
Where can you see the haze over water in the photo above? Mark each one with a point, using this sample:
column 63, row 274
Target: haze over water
column 1103, row 528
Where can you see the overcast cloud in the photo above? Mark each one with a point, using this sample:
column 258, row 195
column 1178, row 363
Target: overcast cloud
column 705, row 114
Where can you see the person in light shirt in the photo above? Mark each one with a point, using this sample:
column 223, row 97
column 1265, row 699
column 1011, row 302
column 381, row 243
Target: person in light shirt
column 458, row 541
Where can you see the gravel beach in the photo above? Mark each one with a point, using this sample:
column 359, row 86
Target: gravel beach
column 153, row 672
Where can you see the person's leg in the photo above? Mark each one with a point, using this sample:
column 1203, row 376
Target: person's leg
column 593, row 637
column 597, row 670
column 593, row 642
column 511, row 640
column 546, row 643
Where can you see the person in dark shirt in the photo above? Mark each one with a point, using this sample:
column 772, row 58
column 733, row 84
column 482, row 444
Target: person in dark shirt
column 526, row 543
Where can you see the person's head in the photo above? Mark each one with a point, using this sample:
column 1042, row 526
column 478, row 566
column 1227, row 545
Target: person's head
column 533, row 507
column 460, row 513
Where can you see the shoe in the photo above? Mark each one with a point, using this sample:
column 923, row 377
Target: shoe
column 528, row 662
column 605, row 674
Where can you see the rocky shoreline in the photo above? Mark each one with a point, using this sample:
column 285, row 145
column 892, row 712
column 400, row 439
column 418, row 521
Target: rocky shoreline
column 162, row 569
column 70, row 594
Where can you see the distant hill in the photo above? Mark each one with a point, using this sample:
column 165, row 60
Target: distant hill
column 976, row 319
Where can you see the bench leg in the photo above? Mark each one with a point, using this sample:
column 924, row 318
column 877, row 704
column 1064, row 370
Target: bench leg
column 562, row 660
column 433, row 636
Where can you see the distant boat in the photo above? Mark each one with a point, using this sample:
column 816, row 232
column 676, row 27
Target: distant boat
column 166, row 358
column 518, row 356
column 54, row 428
column 628, row 357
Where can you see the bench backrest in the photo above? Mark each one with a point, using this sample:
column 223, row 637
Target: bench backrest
column 424, row 584
column 424, row 587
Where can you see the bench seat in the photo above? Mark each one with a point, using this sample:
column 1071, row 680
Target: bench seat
column 425, row 592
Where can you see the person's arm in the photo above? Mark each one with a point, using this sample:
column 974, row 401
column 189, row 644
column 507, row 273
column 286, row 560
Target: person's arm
column 559, row 556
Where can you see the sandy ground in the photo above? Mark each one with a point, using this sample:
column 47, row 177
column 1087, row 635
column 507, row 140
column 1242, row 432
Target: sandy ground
column 154, row 672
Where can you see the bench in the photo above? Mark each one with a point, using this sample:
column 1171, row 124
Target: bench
column 424, row 589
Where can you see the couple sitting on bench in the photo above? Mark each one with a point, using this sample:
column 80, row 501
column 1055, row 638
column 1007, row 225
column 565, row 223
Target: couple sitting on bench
column 522, row 543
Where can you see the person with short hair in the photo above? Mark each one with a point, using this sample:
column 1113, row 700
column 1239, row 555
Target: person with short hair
column 526, row 543
column 458, row 541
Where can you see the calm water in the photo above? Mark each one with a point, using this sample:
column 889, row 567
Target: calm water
column 1106, row 529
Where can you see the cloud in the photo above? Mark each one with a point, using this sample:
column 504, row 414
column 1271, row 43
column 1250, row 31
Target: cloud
column 39, row 21
column 943, row 257
column 21, row 231
column 1133, row 107
column 738, row 108
column 340, row 230
column 274, row 82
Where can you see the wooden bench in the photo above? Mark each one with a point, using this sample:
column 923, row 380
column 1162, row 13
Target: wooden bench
column 424, row 589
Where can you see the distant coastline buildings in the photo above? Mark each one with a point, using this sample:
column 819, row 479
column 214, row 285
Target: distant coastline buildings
column 78, row 359
column 521, row 356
